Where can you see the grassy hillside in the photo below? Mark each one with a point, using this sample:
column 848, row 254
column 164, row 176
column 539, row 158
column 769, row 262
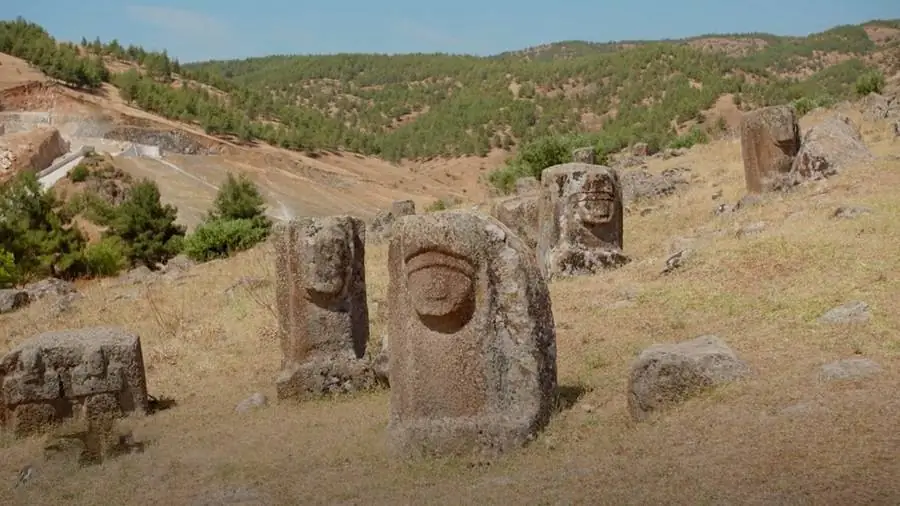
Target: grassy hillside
column 427, row 105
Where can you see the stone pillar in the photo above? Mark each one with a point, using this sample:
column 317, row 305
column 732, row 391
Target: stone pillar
column 322, row 308
column 473, row 342
column 581, row 220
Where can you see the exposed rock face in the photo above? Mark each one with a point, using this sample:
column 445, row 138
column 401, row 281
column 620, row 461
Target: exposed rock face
column 770, row 139
column 527, row 185
column 12, row 299
column 322, row 308
column 380, row 228
column 169, row 141
column 640, row 149
column 584, row 155
column 828, row 147
column 33, row 150
column 472, row 337
column 640, row 184
column 520, row 214
column 666, row 374
column 878, row 107
column 88, row 373
column 581, row 220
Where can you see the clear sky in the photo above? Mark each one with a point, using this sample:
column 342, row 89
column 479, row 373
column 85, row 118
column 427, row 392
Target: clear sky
column 216, row 29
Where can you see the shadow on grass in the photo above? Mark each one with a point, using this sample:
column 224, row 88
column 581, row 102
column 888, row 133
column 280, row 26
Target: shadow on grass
column 568, row 396
column 161, row 404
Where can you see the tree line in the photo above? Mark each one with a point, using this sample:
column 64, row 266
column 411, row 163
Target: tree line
column 38, row 237
column 426, row 105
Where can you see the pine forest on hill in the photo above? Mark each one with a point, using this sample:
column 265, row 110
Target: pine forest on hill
column 418, row 106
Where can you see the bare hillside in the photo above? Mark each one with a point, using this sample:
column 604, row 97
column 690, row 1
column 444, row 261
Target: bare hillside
column 784, row 436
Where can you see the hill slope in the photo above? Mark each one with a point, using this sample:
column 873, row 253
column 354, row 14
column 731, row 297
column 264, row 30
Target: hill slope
column 418, row 106
column 782, row 436
column 428, row 105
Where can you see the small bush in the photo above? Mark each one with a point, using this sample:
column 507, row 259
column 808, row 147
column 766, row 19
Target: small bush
column 694, row 136
column 105, row 258
column 7, row 269
column 870, row 82
column 805, row 104
column 222, row 238
column 80, row 173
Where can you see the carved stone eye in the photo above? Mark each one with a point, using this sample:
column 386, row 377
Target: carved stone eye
column 441, row 289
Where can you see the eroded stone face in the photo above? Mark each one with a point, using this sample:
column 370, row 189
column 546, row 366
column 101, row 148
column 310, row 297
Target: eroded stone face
column 581, row 219
column 328, row 263
column 770, row 139
column 84, row 373
column 473, row 363
column 322, row 308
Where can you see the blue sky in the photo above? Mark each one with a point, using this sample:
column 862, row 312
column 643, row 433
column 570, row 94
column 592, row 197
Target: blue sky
column 215, row 29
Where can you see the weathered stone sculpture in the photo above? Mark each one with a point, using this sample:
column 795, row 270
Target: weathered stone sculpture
column 87, row 373
column 322, row 309
column 380, row 229
column 473, row 342
column 520, row 214
column 581, row 220
column 770, row 139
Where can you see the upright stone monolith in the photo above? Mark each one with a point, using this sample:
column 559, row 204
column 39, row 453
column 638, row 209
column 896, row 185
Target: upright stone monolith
column 473, row 342
column 581, row 220
column 322, row 308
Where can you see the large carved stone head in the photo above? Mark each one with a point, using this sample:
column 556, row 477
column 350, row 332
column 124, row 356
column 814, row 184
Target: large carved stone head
column 327, row 266
column 581, row 204
column 594, row 204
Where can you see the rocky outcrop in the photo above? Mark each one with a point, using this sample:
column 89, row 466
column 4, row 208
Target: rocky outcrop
column 169, row 141
column 33, row 150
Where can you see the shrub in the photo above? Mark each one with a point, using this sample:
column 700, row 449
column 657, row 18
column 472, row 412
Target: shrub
column 146, row 226
column 105, row 258
column 79, row 173
column 239, row 199
column 695, row 135
column 36, row 230
column 222, row 238
column 236, row 222
column 7, row 269
column 870, row 82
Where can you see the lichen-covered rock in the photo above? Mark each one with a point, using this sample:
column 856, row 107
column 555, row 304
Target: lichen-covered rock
column 12, row 299
column 640, row 184
column 581, row 220
column 878, row 107
column 770, row 139
column 87, row 373
column 666, row 374
column 50, row 287
column 322, row 308
column 520, row 214
column 527, row 185
column 833, row 144
column 380, row 228
column 472, row 337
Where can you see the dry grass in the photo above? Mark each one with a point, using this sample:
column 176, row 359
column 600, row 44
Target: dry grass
column 761, row 293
